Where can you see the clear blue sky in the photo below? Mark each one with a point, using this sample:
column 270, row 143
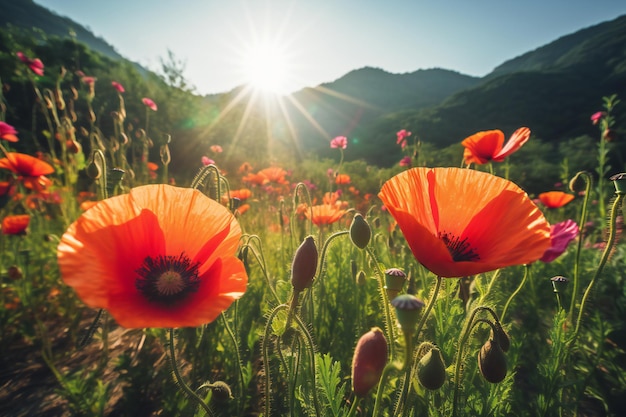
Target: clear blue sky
column 324, row 39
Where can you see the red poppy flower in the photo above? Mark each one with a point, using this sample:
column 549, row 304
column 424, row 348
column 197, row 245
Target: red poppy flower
column 555, row 199
column 486, row 146
column 242, row 209
column 15, row 224
column 8, row 132
column 35, row 64
column 461, row 222
column 149, row 103
column 242, row 194
column 274, row 174
column 159, row 256
column 25, row 165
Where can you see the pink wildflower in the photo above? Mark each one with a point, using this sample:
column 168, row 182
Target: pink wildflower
column 216, row 149
column 402, row 135
column 149, row 103
column 35, row 65
column 339, row 142
column 8, row 132
column 405, row 162
column 207, row 161
column 119, row 87
column 561, row 234
column 89, row 80
column 595, row 118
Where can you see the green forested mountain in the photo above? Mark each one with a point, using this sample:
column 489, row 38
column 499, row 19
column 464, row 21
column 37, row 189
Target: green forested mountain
column 552, row 90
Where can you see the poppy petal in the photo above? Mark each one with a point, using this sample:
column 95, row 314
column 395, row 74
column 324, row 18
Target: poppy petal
column 517, row 139
column 481, row 147
column 26, row 165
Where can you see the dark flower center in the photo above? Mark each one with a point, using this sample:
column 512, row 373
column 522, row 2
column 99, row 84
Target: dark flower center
column 167, row 279
column 459, row 249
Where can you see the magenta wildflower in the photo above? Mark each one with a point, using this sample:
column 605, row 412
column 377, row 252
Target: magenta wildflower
column 561, row 234
column 149, row 103
column 207, row 161
column 595, row 118
column 119, row 87
column 405, row 162
column 8, row 132
column 402, row 135
column 89, row 80
column 35, row 64
column 339, row 142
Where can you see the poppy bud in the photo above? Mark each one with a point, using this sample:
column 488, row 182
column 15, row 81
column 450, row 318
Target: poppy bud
column 304, row 264
column 502, row 337
column 360, row 278
column 368, row 362
column 93, row 170
column 492, row 362
column 360, row 232
column 407, row 310
column 221, row 392
column 431, row 369
column 394, row 282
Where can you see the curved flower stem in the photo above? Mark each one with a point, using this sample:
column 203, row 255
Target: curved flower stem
column 179, row 380
column 465, row 333
column 517, row 290
column 581, row 230
column 99, row 159
column 231, row 334
column 389, row 324
column 406, row 381
column 266, row 356
column 605, row 256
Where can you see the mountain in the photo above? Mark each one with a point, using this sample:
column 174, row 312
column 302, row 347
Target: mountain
column 28, row 15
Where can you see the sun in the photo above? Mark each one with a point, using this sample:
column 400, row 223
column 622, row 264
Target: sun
column 266, row 67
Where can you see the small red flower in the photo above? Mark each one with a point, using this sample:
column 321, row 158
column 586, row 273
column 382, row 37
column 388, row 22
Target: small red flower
column 555, row 199
column 35, row 64
column 119, row 87
column 402, row 135
column 15, row 224
column 149, row 103
column 8, row 132
column 487, row 146
column 342, row 179
column 339, row 142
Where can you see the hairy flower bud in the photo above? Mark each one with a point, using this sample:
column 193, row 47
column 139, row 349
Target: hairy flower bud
column 431, row 369
column 221, row 392
column 501, row 336
column 304, row 264
column 492, row 362
column 368, row 362
column 360, row 232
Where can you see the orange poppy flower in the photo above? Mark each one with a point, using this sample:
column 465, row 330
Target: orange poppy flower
column 555, row 199
column 461, row 222
column 242, row 208
column 257, row 179
column 25, row 165
column 15, row 224
column 342, row 179
column 152, row 166
column 159, row 256
column 242, row 194
column 274, row 174
column 324, row 214
column 486, row 146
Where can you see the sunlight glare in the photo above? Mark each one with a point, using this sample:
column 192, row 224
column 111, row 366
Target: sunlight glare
column 266, row 67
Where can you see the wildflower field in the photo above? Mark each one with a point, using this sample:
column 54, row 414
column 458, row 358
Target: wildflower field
column 268, row 290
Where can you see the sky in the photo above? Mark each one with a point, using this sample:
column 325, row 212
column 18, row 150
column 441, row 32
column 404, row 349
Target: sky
column 286, row 45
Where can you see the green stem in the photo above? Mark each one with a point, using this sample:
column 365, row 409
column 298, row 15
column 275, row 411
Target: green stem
column 355, row 405
column 581, row 231
column 237, row 354
column 517, row 290
column 179, row 380
column 605, row 256
column 389, row 324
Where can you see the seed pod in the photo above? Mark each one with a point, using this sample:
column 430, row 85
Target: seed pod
column 221, row 392
column 360, row 232
column 492, row 362
column 368, row 362
column 408, row 308
column 431, row 369
column 394, row 282
column 304, row 264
